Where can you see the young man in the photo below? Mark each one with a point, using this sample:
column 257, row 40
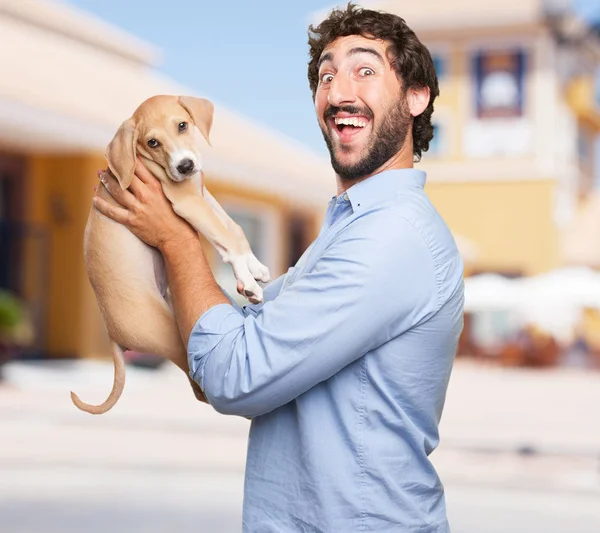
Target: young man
column 344, row 369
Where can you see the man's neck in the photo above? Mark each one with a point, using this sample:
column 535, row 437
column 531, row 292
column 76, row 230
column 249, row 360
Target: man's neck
column 403, row 159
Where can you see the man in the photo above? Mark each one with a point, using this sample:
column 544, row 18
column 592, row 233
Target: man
column 344, row 369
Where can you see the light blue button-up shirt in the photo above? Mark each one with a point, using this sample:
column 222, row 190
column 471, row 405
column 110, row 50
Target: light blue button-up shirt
column 344, row 368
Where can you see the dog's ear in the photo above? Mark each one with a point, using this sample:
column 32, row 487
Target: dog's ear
column 201, row 111
column 121, row 152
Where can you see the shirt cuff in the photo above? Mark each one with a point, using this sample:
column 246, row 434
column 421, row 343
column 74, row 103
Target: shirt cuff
column 208, row 331
column 246, row 310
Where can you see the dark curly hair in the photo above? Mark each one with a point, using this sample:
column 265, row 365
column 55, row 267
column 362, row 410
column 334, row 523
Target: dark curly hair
column 408, row 57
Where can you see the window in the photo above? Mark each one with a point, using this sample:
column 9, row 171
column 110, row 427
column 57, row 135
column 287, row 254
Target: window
column 258, row 227
column 3, row 198
column 597, row 163
column 436, row 145
column 440, row 65
column 499, row 77
column 584, row 147
column 298, row 235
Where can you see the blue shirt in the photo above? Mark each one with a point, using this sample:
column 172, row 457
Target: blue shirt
column 344, row 368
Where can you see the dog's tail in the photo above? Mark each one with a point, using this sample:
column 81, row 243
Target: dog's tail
column 115, row 393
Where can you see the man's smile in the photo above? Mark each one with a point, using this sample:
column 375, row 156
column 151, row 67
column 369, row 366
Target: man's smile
column 349, row 128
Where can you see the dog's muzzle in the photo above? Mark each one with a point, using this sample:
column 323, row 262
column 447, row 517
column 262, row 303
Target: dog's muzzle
column 186, row 167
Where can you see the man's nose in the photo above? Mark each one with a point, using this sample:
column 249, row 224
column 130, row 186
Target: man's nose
column 186, row 166
column 341, row 91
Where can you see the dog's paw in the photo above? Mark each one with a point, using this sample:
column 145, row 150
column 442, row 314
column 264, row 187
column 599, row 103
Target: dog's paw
column 245, row 277
column 259, row 271
column 254, row 293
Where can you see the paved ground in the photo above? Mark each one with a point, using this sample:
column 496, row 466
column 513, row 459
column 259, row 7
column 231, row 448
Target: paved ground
column 159, row 462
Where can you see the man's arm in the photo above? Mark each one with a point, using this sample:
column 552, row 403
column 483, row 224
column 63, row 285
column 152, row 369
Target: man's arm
column 371, row 285
column 191, row 283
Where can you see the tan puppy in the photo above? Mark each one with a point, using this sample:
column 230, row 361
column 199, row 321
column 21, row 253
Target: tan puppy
column 128, row 276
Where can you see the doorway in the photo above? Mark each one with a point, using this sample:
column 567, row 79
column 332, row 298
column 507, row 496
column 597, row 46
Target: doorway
column 24, row 251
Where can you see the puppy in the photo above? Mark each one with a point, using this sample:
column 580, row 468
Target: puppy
column 128, row 276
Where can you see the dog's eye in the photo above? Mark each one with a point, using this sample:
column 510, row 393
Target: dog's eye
column 153, row 143
column 182, row 127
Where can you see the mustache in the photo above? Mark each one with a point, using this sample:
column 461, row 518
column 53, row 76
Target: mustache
column 332, row 111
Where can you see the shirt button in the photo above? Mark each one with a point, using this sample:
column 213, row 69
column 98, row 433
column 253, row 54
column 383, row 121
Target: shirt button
column 345, row 197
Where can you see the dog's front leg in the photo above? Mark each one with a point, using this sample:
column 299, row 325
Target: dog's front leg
column 192, row 207
column 258, row 270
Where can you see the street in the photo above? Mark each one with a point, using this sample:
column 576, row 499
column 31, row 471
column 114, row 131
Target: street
column 158, row 462
column 62, row 500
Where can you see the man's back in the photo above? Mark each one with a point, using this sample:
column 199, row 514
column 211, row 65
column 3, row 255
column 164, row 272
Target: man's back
column 350, row 454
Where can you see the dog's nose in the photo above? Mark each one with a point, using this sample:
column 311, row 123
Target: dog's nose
column 186, row 166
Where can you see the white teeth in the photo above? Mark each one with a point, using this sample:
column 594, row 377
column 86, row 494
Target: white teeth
column 351, row 121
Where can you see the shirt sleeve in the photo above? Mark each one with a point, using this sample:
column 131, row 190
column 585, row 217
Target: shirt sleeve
column 363, row 291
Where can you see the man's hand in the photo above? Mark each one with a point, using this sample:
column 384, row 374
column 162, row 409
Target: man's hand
column 145, row 209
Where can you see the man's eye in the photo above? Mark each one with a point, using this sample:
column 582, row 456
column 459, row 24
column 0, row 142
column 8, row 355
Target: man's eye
column 183, row 127
column 326, row 78
column 153, row 143
column 366, row 71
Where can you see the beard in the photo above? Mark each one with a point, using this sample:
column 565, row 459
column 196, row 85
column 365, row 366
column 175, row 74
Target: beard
column 383, row 144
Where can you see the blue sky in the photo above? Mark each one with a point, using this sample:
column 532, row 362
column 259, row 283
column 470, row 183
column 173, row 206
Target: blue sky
column 248, row 55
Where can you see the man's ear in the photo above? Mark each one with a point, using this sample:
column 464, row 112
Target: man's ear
column 121, row 152
column 201, row 111
column 418, row 100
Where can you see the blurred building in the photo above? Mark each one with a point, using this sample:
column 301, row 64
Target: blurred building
column 68, row 81
column 512, row 164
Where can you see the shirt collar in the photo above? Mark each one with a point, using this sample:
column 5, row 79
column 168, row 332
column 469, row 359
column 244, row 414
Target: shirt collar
column 379, row 187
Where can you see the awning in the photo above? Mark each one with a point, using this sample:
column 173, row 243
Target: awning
column 574, row 287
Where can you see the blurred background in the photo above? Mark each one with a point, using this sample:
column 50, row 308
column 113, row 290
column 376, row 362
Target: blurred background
column 513, row 169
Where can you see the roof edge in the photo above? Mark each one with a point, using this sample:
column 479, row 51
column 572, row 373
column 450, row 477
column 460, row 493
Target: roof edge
column 79, row 25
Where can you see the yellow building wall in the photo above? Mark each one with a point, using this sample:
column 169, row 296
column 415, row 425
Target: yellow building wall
column 60, row 194
column 510, row 223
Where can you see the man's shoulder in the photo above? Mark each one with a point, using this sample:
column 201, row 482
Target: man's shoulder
column 417, row 209
column 407, row 212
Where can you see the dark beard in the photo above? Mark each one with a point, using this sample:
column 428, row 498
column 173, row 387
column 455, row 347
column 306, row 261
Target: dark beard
column 386, row 140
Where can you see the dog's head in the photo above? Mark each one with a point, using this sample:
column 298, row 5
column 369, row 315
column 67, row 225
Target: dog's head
column 163, row 129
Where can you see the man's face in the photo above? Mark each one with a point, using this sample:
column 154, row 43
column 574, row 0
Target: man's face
column 360, row 106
